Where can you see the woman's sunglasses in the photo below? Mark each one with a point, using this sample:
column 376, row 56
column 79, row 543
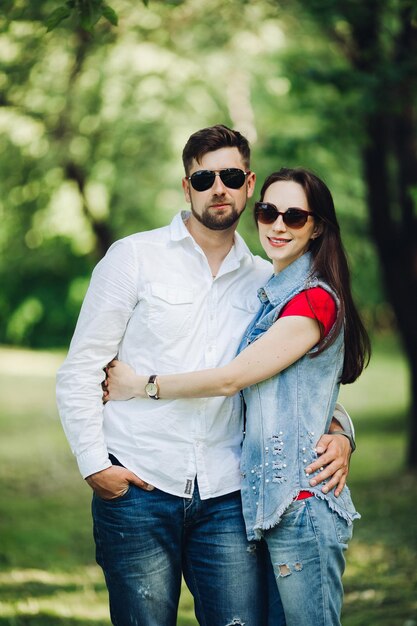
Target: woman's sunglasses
column 230, row 177
column 267, row 213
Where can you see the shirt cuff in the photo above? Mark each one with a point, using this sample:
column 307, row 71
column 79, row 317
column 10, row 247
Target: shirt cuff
column 92, row 461
column 344, row 419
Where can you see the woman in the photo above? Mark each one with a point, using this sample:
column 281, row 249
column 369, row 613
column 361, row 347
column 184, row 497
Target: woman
column 306, row 339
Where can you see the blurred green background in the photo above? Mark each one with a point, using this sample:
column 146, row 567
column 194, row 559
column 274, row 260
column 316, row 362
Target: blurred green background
column 92, row 125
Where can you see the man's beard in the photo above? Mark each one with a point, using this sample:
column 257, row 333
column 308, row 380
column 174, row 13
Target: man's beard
column 217, row 220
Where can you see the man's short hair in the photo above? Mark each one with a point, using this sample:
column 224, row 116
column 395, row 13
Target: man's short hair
column 211, row 139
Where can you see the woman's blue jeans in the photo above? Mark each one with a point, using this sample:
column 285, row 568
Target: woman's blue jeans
column 145, row 541
column 307, row 553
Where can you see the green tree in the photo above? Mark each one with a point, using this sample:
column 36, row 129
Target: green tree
column 378, row 40
column 94, row 117
column 90, row 152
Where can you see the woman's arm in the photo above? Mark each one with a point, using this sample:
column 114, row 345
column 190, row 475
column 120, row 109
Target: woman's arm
column 288, row 339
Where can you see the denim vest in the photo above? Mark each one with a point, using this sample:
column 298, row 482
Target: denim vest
column 287, row 414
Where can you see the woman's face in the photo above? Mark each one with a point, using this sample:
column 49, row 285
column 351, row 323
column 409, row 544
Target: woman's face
column 281, row 243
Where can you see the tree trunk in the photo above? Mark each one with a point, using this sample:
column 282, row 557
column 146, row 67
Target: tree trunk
column 390, row 170
column 101, row 230
column 393, row 227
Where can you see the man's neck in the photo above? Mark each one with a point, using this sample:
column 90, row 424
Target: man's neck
column 216, row 244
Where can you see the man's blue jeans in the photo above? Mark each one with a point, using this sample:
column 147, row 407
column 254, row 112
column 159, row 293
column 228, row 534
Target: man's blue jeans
column 145, row 540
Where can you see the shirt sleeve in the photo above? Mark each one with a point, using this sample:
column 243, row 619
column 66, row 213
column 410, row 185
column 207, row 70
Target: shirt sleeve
column 316, row 303
column 106, row 310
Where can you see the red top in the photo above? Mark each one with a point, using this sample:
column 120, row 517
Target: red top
column 319, row 305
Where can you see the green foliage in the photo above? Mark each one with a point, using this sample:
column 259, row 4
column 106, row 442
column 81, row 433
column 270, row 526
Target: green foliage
column 93, row 129
column 55, row 18
column 86, row 12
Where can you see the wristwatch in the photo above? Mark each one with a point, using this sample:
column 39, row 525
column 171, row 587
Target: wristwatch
column 151, row 387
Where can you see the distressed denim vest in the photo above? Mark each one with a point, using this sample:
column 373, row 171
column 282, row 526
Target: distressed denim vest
column 287, row 414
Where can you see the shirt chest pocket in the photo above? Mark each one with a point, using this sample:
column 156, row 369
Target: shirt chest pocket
column 170, row 309
column 244, row 311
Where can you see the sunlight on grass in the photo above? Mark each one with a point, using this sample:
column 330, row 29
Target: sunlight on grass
column 21, row 362
column 383, row 388
column 380, row 583
column 45, row 515
column 79, row 594
column 88, row 575
column 83, row 605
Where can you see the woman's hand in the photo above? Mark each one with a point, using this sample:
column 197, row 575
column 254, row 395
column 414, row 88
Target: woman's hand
column 121, row 382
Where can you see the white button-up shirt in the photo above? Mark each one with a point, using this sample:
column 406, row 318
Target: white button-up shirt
column 153, row 302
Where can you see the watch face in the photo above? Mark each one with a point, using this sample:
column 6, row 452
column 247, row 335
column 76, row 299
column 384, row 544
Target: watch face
column 151, row 389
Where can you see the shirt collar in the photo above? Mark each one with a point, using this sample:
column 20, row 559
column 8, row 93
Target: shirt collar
column 178, row 229
column 179, row 232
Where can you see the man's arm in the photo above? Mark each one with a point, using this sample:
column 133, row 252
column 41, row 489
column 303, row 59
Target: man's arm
column 335, row 450
column 343, row 424
column 106, row 310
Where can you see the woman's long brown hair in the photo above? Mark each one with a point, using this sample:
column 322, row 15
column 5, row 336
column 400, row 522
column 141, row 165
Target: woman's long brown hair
column 330, row 263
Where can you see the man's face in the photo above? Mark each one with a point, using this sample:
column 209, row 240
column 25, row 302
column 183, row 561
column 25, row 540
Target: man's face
column 219, row 207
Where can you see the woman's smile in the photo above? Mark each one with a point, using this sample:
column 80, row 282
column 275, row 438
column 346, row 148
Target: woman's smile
column 282, row 243
column 278, row 241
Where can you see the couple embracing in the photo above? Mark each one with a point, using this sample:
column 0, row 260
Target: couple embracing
column 220, row 454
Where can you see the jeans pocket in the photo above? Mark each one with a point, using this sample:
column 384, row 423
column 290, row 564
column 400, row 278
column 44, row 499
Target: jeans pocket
column 117, row 499
column 294, row 508
column 296, row 515
column 344, row 531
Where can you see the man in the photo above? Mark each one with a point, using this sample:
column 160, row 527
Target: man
column 165, row 474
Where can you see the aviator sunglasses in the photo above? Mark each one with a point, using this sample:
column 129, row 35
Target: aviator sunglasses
column 231, row 177
column 267, row 213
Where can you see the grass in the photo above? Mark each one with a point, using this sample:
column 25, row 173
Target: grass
column 48, row 575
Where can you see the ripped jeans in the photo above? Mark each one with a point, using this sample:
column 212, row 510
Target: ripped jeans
column 145, row 542
column 307, row 553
